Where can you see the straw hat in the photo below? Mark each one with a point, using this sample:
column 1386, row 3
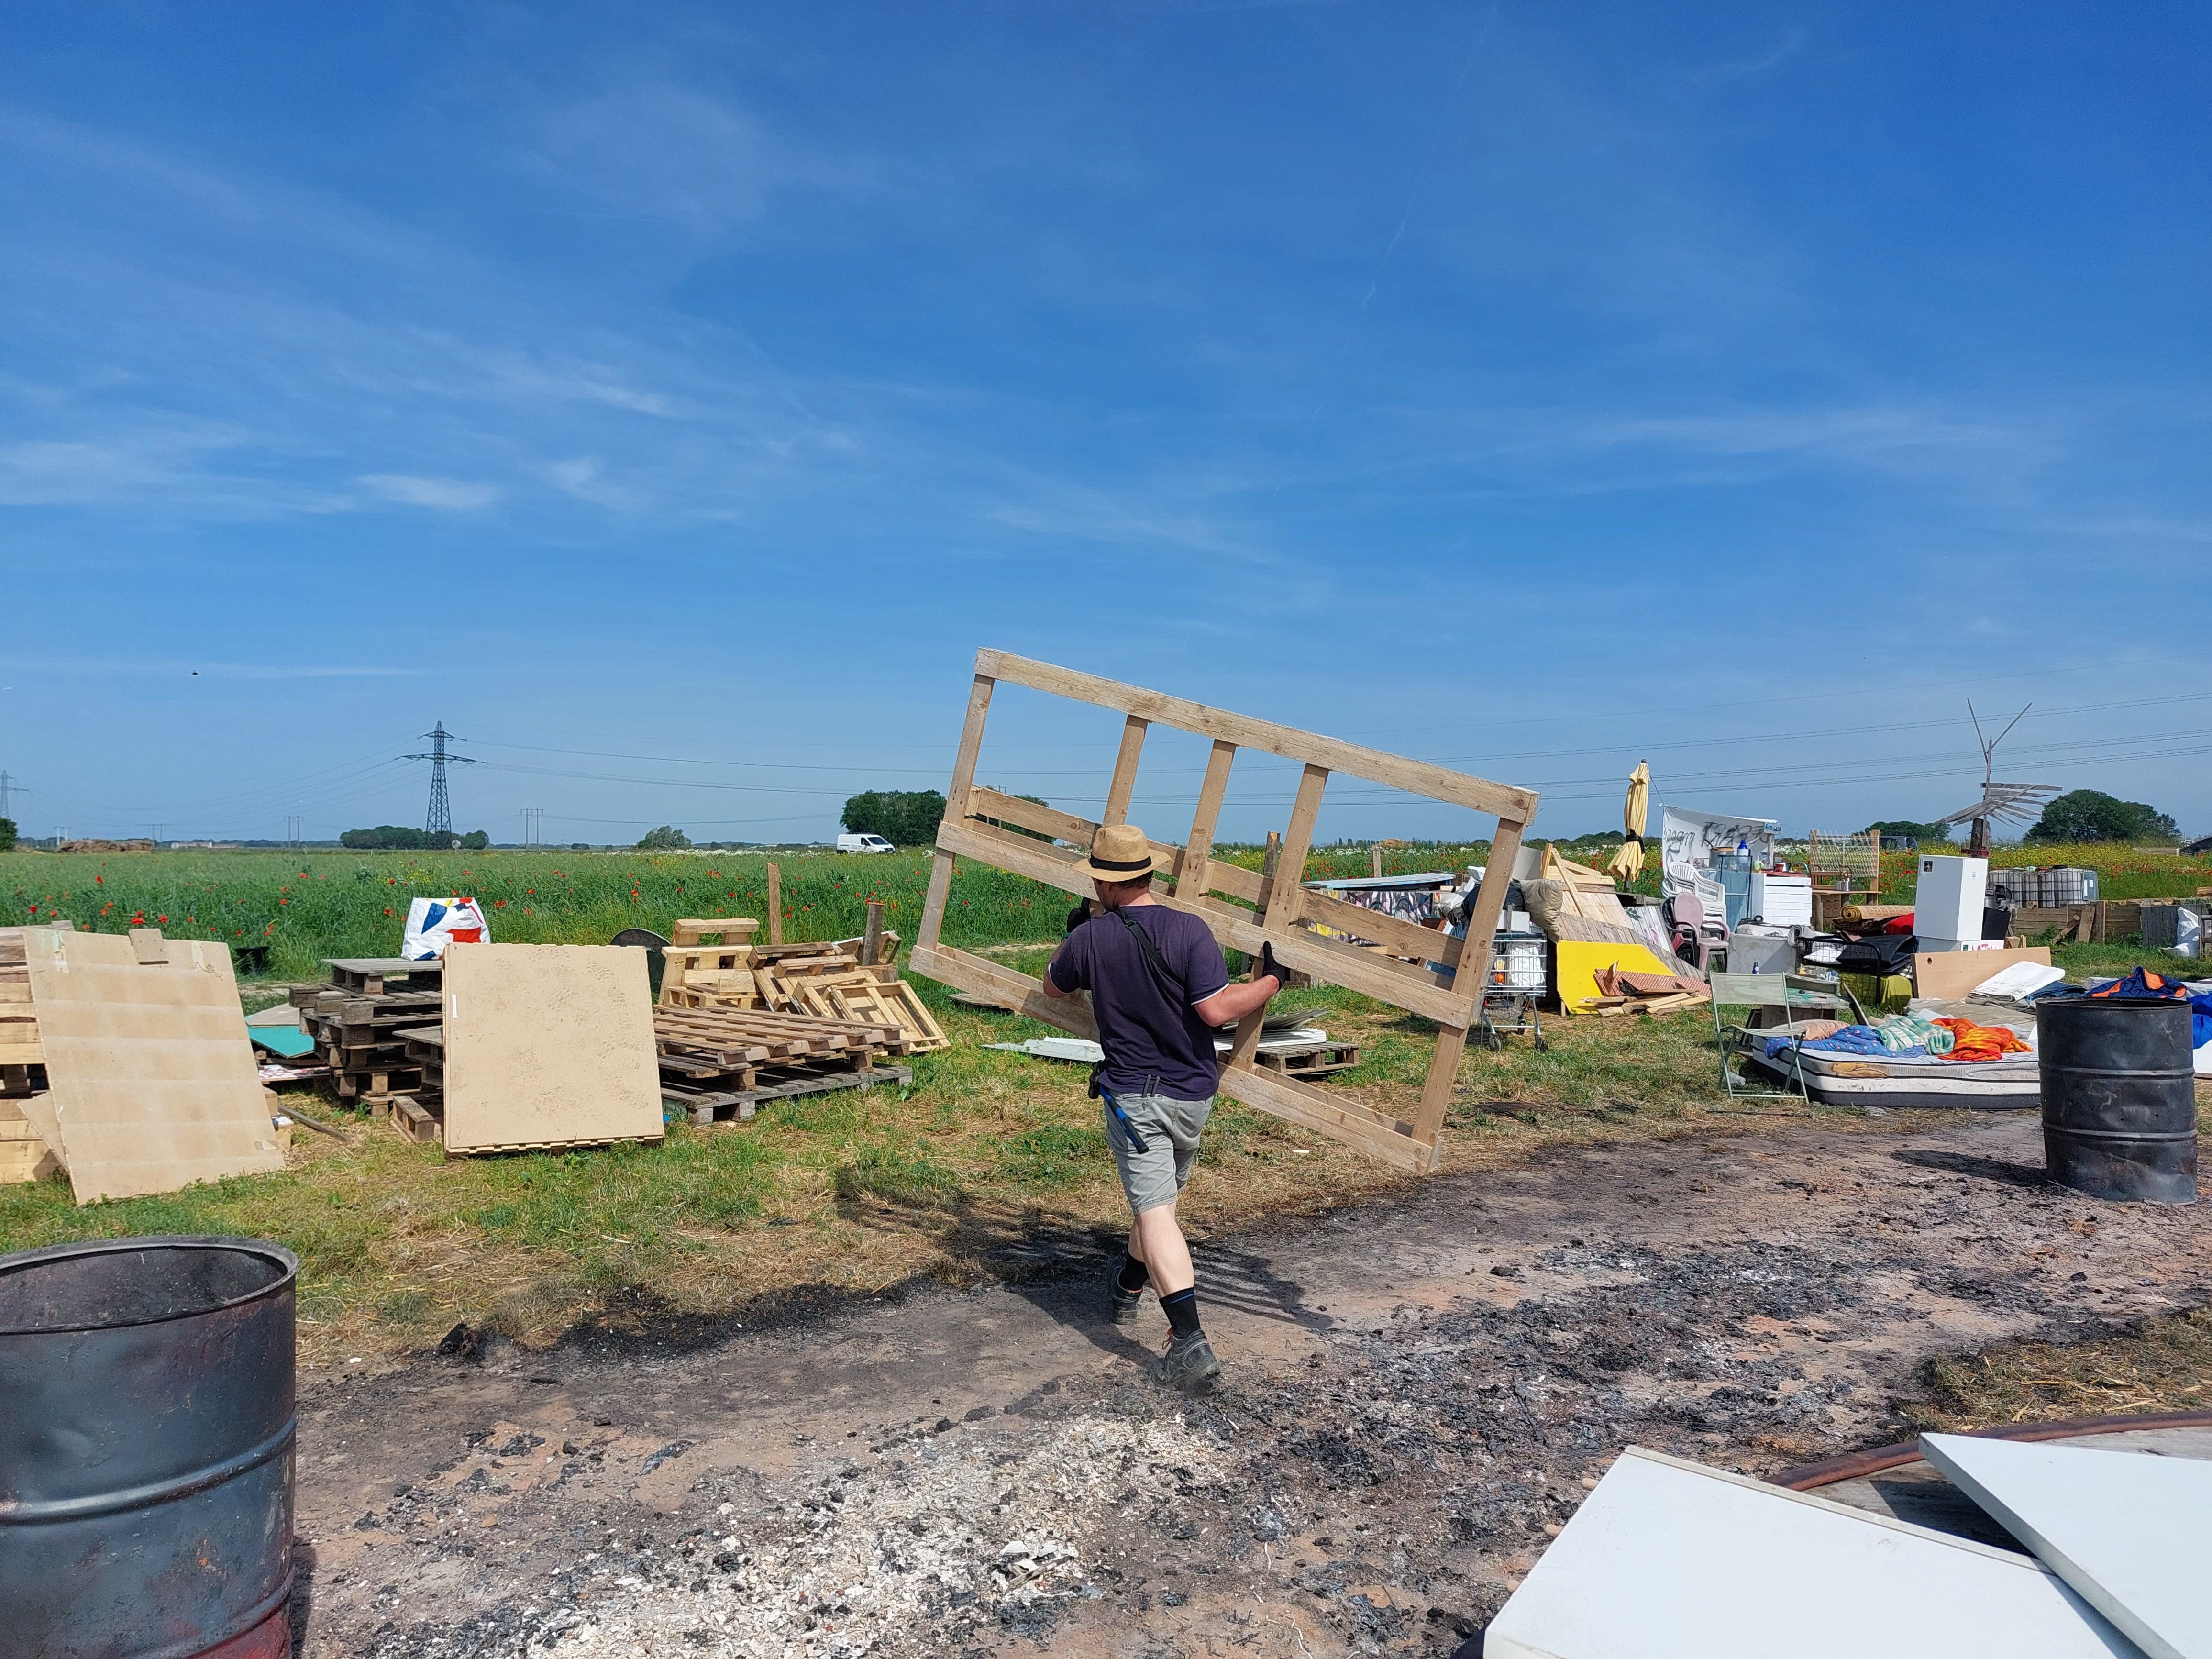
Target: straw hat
column 1120, row 852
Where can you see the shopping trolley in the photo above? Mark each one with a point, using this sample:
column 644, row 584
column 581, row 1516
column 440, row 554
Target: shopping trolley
column 1517, row 981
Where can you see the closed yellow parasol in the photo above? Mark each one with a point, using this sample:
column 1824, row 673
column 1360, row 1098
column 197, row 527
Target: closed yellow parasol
column 1628, row 862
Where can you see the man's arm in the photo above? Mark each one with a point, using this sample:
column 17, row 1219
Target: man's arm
column 1052, row 984
column 1232, row 1002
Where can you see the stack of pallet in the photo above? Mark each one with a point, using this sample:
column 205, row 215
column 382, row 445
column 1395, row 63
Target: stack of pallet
column 711, row 963
column 23, row 1153
column 740, row 1022
column 356, row 1021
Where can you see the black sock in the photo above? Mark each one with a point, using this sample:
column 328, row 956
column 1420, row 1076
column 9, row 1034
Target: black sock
column 1182, row 1310
column 1132, row 1277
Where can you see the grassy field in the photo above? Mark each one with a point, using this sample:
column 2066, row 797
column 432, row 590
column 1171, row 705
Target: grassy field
column 987, row 1165
column 990, row 1163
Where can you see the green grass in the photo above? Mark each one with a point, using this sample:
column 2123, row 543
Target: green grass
column 854, row 1190
column 312, row 905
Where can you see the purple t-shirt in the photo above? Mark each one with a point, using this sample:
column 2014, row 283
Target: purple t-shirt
column 1153, row 1042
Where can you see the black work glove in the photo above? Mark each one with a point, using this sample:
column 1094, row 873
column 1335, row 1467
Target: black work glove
column 1269, row 966
column 1079, row 915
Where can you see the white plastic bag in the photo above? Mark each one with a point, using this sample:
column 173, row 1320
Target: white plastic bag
column 433, row 924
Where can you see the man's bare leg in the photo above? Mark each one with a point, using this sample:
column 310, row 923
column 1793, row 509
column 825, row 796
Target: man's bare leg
column 1157, row 1241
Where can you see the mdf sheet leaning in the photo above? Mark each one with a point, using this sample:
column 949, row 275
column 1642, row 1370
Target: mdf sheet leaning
column 1670, row 1560
column 152, row 1083
column 2126, row 1531
column 1245, row 908
column 548, row 1045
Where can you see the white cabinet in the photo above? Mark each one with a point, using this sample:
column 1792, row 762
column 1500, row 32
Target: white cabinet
column 1948, row 899
column 1782, row 901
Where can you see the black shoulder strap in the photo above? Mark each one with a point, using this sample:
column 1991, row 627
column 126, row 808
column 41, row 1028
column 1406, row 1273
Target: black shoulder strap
column 1153, row 959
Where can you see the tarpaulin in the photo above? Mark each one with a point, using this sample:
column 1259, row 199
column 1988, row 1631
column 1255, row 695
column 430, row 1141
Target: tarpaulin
column 433, row 924
column 1689, row 840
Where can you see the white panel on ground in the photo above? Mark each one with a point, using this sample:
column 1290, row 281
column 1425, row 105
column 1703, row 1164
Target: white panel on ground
column 2126, row 1529
column 1668, row 1559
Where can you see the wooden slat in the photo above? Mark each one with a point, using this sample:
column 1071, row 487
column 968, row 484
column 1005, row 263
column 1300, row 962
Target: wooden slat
column 1420, row 777
column 1313, row 1107
column 1194, row 869
column 1123, row 785
column 1468, row 985
column 1285, row 899
column 1078, row 833
column 1398, row 983
column 1019, row 992
column 971, row 747
column 1393, row 934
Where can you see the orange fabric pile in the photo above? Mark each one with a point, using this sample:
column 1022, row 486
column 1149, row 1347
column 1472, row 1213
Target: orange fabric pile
column 1981, row 1042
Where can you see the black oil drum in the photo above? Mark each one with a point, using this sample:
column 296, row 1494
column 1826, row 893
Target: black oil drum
column 2119, row 1096
column 146, row 1424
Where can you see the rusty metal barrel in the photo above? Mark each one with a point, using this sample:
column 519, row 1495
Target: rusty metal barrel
column 146, row 1424
column 2119, row 1096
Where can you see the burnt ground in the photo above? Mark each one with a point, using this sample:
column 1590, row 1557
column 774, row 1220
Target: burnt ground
column 1418, row 1394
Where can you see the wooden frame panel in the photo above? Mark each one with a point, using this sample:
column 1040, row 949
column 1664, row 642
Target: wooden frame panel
column 1283, row 912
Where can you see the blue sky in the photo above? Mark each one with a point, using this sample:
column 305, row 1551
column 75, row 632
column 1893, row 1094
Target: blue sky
column 671, row 401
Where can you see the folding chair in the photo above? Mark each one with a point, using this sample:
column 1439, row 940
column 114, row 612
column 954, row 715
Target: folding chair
column 1797, row 999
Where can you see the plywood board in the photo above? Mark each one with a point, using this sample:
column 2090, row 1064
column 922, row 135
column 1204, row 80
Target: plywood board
column 1947, row 974
column 151, row 1081
column 1668, row 1559
column 2125, row 1529
column 549, row 1045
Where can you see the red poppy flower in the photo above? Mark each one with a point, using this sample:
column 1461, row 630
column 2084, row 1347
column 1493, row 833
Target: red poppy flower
column 387, row 909
column 99, row 881
column 160, row 918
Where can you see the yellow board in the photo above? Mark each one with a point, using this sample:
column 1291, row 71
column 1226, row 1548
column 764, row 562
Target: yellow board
column 1579, row 962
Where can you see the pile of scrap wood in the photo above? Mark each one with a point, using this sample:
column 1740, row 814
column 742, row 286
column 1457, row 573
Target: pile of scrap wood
column 24, row 1155
column 711, row 963
column 741, row 1023
column 531, row 1046
column 355, row 1021
column 127, row 1064
column 1622, row 992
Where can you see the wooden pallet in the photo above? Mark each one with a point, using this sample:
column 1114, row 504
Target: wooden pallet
column 373, row 976
column 420, row 1118
column 861, row 995
column 1317, row 1061
column 751, row 1036
column 734, row 931
column 707, row 1105
column 987, row 825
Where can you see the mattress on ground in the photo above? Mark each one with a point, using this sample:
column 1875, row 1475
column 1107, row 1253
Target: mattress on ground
column 2008, row 1084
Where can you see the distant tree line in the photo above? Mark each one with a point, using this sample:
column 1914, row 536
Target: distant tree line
column 2092, row 815
column 7, row 835
column 904, row 818
column 397, row 838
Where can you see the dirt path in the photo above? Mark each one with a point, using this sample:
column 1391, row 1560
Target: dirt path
column 1416, row 1395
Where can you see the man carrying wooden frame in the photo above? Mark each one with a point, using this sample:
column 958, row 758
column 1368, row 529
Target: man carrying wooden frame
column 1159, row 991
column 1415, row 968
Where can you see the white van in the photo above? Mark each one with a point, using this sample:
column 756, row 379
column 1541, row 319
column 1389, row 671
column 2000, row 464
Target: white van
column 863, row 844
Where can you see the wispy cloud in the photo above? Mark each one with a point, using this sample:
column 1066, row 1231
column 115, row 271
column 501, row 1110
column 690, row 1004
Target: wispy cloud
column 445, row 494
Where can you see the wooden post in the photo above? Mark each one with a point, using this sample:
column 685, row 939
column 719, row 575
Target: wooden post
column 1377, row 855
column 872, row 936
column 1191, row 880
column 1284, row 895
column 775, row 905
column 1474, row 972
column 1124, row 783
column 956, row 798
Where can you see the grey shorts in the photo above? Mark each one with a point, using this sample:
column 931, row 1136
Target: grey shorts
column 1170, row 1130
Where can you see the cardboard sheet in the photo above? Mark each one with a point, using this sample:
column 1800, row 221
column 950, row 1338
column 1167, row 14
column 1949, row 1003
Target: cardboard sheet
column 549, row 1045
column 1668, row 1559
column 2125, row 1529
column 1947, row 974
column 151, row 1080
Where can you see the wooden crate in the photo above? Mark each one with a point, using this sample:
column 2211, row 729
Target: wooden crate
column 1284, row 914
